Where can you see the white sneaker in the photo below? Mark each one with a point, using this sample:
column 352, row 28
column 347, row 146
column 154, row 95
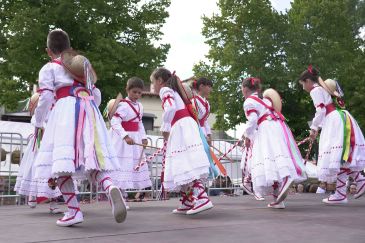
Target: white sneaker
column 276, row 205
column 201, row 200
column 186, row 205
column 127, row 207
column 248, row 188
column 360, row 186
column 284, row 189
column 32, row 204
column 53, row 208
column 335, row 201
column 200, row 206
column 32, row 201
column 68, row 219
column 119, row 209
column 258, row 197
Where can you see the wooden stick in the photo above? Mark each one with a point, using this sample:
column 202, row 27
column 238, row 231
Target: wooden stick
column 141, row 157
column 146, row 146
column 230, row 150
column 231, row 160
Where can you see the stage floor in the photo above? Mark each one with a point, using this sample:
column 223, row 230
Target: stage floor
column 233, row 219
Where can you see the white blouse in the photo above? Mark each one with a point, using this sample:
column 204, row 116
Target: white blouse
column 203, row 108
column 125, row 113
column 171, row 102
column 320, row 98
column 53, row 76
column 253, row 111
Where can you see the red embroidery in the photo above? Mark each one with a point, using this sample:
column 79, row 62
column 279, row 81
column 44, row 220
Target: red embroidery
column 40, row 91
column 167, row 98
column 251, row 111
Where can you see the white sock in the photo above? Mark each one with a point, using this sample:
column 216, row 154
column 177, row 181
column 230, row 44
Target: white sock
column 67, row 188
column 103, row 178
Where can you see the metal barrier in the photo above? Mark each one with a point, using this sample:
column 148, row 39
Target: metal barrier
column 230, row 183
column 13, row 141
column 10, row 142
column 154, row 168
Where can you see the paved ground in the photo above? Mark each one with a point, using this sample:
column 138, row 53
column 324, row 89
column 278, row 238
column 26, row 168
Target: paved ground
column 233, row 219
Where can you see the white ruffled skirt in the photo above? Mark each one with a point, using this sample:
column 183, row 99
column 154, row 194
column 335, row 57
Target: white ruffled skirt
column 26, row 183
column 56, row 155
column 331, row 145
column 272, row 159
column 129, row 157
column 186, row 159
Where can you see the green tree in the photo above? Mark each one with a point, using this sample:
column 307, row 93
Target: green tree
column 249, row 37
column 246, row 37
column 326, row 33
column 118, row 36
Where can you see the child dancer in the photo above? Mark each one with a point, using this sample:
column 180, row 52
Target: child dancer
column 126, row 129
column 203, row 87
column 341, row 143
column 75, row 142
column 276, row 161
column 26, row 184
column 246, row 172
column 186, row 163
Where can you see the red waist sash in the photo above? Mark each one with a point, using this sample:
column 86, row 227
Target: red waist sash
column 329, row 108
column 70, row 91
column 130, row 126
column 179, row 115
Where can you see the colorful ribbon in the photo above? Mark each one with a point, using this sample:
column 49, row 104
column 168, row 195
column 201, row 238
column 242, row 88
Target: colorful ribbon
column 349, row 137
column 84, row 108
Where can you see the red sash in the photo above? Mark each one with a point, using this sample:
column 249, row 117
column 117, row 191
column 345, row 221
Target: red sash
column 72, row 90
column 131, row 125
column 329, row 108
column 272, row 115
column 179, row 115
column 206, row 115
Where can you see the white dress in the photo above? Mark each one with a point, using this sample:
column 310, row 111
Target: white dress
column 186, row 159
column 76, row 139
column 26, row 184
column 331, row 141
column 274, row 151
column 247, row 156
column 129, row 155
column 203, row 108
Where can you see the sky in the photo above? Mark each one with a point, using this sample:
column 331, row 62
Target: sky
column 182, row 31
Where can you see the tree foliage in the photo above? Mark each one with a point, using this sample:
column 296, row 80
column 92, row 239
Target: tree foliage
column 249, row 37
column 118, row 36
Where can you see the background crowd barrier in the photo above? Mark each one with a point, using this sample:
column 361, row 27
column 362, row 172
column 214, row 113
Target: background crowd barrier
column 12, row 143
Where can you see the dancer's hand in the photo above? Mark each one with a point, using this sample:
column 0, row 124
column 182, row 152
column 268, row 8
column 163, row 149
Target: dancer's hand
column 313, row 134
column 144, row 142
column 128, row 140
column 165, row 135
column 247, row 142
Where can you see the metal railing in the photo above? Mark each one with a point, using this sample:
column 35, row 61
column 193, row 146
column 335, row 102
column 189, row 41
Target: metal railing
column 12, row 141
